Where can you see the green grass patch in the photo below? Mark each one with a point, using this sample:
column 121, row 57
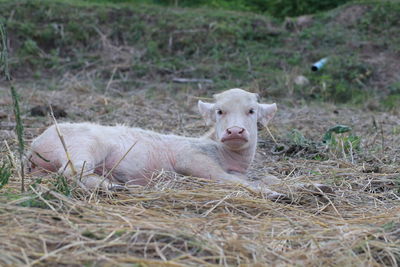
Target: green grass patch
column 277, row 8
column 151, row 44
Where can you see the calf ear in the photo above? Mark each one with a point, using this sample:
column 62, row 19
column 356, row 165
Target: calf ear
column 266, row 112
column 207, row 111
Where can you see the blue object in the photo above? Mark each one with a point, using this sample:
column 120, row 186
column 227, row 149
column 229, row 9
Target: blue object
column 319, row 64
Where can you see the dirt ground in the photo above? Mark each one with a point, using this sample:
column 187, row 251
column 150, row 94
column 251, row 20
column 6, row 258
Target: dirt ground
column 180, row 221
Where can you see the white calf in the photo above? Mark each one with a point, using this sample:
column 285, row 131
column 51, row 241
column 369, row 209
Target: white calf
column 224, row 154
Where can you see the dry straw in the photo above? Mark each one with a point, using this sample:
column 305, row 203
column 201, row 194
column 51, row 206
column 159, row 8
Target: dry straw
column 181, row 221
column 184, row 221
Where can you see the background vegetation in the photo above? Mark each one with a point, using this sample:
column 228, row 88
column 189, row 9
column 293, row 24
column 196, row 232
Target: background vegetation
column 146, row 43
column 276, row 8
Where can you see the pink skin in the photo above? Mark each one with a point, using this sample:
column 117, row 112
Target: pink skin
column 224, row 154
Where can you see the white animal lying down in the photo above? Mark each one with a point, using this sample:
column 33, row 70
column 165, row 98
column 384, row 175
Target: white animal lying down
column 224, row 154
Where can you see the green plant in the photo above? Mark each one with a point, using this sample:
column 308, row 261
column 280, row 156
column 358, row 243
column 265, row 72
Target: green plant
column 339, row 140
column 297, row 138
column 19, row 129
column 277, row 8
column 30, row 48
column 336, row 129
column 292, row 8
column 61, row 185
column 5, row 174
column 33, row 203
column 392, row 101
column 4, row 52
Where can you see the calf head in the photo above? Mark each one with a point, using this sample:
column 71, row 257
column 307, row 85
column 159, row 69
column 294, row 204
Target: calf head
column 235, row 114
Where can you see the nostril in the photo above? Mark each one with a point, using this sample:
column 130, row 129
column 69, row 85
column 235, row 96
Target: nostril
column 235, row 131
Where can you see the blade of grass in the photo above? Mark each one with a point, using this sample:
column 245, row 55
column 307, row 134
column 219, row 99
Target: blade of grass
column 61, row 137
column 5, row 174
column 4, row 52
column 19, row 128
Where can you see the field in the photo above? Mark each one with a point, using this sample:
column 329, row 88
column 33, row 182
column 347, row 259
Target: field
column 110, row 63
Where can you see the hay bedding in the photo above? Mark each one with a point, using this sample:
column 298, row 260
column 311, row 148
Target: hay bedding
column 180, row 221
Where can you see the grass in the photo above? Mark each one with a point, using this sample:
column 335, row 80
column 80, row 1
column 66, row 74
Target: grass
column 179, row 220
column 148, row 43
column 5, row 174
column 164, row 225
column 281, row 9
column 19, row 128
column 115, row 64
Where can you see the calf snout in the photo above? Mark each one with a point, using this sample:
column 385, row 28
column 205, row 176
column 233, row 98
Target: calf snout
column 235, row 133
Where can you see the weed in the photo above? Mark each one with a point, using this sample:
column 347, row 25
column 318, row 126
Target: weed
column 299, row 145
column 5, row 174
column 119, row 233
column 19, row 129
column 339, row 140
column 336, row 129
column 396, row 130
column 34, row 203
column 391, row 101
column 4, row 52
column 61, row 185
column 278, row 8
column 319, row 157
column 397, row 182
column 298, row 138
column 91, row 235
column 381, row 19
column 29, row 48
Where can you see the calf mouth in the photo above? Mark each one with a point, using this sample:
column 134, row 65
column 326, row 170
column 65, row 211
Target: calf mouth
column 234, row 140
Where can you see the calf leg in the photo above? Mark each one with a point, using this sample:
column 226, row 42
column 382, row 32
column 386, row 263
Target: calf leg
column 93, row 181
column 209, row 169
column 82, row 169
column 258, row 186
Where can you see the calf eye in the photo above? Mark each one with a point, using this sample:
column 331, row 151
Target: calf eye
column 219, row 112
column 251, row 111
